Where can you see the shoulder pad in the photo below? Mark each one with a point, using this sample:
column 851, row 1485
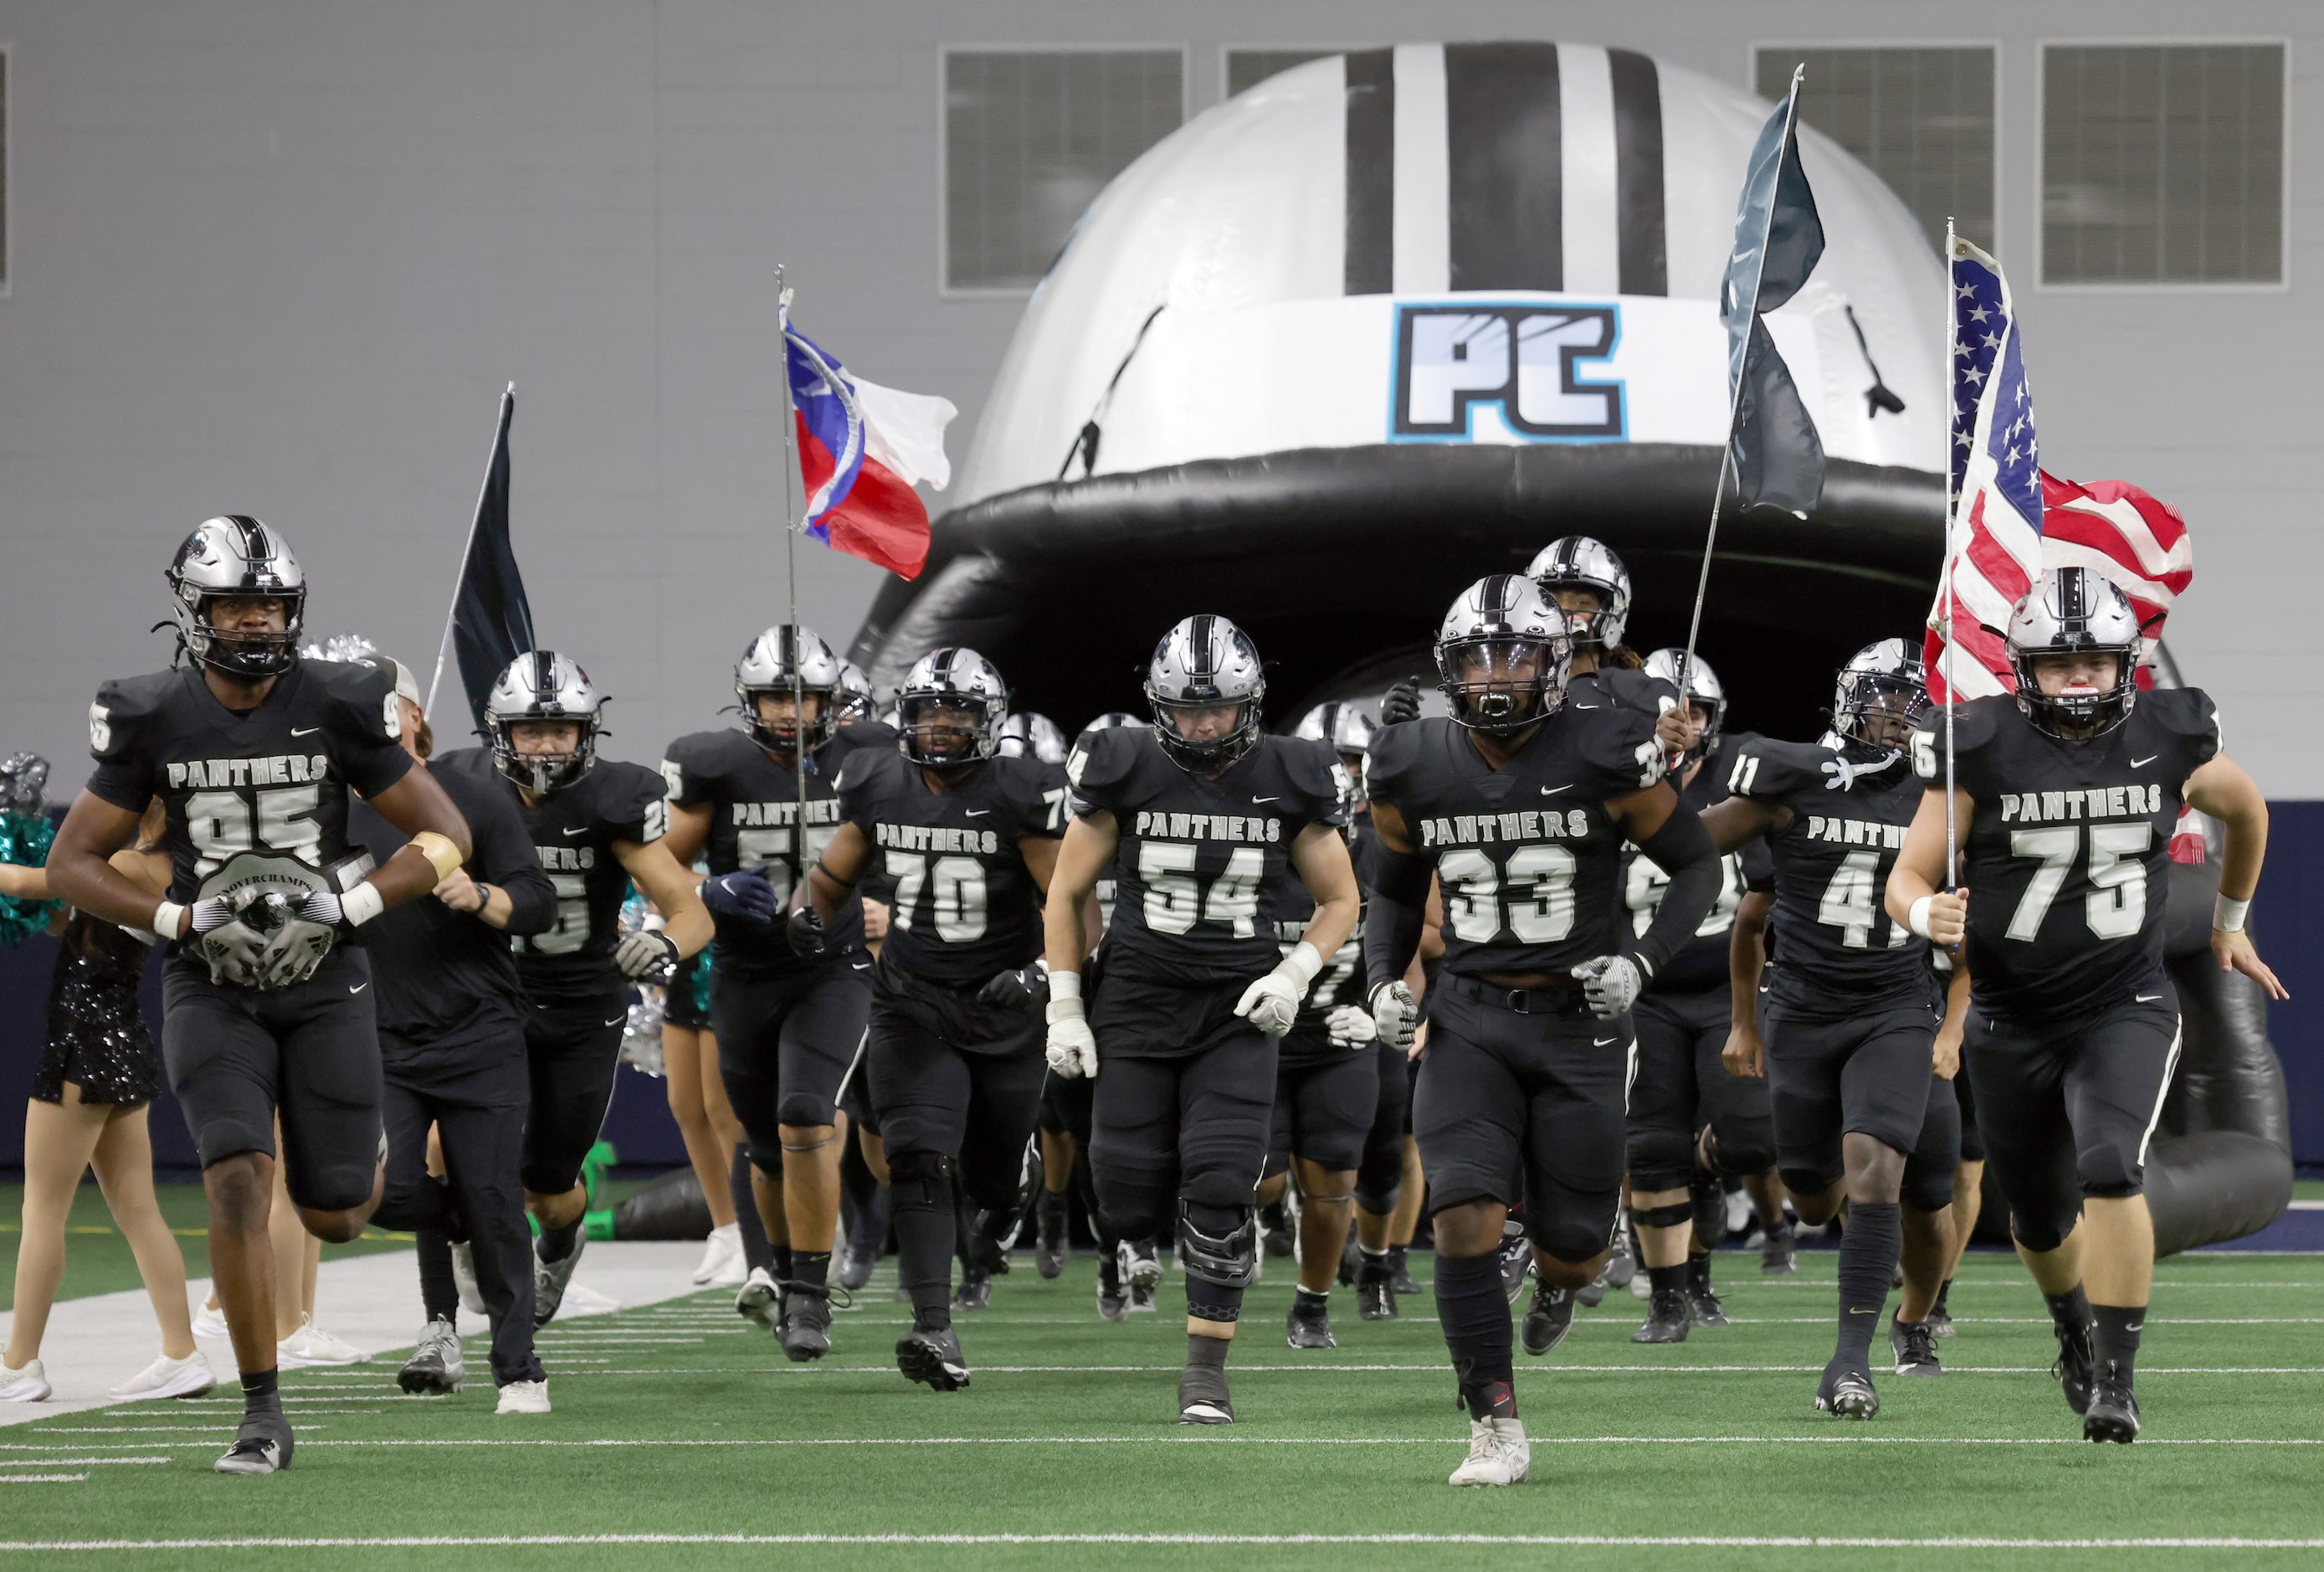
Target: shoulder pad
column 861, row 767
column 1316, row 770
column 1627, row 689
column 364, row 692
column 2187, row 711
column 122, row 707
column 693, row 762
column 1101, row 761
column 1770, row 770
column 1619, row 743
column 1395, row 751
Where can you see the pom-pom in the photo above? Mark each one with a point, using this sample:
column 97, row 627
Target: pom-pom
column 24, row 840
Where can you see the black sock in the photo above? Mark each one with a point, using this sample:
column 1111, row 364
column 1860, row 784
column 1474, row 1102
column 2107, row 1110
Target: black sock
column 1944, row 1289
column 260, row 1392
column 758, row 1255
column 2070, row 1311
column 1667, row 1280
column 810, row 1269
column 1698, row 1273
column 439, row 1295
column 924, row 1234
column 2115, row 1338
column 555, row 1244
column 1867, row 1259
column 1311, row 1302
column 1202, row 1351
column 1474, row 1314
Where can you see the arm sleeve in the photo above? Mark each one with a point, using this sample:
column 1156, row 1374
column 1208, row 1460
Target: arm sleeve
column 123, row 775
column 1395, row 912
column 1683, row 849
column 504, row 856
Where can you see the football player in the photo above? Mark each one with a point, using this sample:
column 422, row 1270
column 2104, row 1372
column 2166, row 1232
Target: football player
column 789, row 1027
column 268, row 991
column 1683, row 1087
column 967, row 838
column 1206, row 818
column 596, row 825
column 2065, row 796
column 1846, row 1031
column 1520, row 803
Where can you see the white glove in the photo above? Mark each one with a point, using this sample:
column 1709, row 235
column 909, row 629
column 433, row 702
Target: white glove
column 296, row 949
column 645, row 952
column 1272, row 1003
column 1351, row 1026
column 1611, row 984
column 233, row 949
column 1073, row 1046
column 1394, row 1015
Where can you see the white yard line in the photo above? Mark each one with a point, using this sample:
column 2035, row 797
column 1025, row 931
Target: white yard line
column 1429, row 1539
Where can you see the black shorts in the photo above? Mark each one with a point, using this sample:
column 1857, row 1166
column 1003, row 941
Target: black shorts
column 685, row 1003
column 1682, row 1085
column 573, row 1054
column 931, row 1093
column 1065, row 1106
column 786, row 1046
column 236, row 1057
column 2068, row 1107
column 1865, row 1074
column 1323, row 1107
column 1526, row 1104
column 1136, row 1014
column 1972, row 1140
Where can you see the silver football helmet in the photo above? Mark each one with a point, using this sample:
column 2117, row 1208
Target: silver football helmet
column 857, row 701
column 1702, row 686
column 1206, row 663
column 1028, row 735
column 780, row 659
column 235, row 556
column 1581, row 563
column 950, row 709
column 542, row 685
column 2074, row 611
column 1882, row 690
column 1348, row 729
column 1503, row 653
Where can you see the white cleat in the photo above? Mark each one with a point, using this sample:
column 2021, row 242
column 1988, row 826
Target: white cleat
column 27, row 1383
column 166, row 1377
column 1499, row 1453
column 311, row 1347
column 719, row 1255
column 760, row 1299
column 464, row 1278
column 210, row 1321
column 525, row 1397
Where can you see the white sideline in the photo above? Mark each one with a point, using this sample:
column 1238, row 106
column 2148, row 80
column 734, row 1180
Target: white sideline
column 1800, row 1542
column 371, row 1300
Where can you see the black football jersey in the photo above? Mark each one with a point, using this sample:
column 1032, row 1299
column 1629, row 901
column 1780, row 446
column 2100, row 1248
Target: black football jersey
column 1201, row 865
column 1529, row 860
column 962, row 905
column 2068, row 855
column 1835, row 945
column 272, row 780
column 754, row 804
column 1622, row 687
column 1702, row 963
column 573, row 831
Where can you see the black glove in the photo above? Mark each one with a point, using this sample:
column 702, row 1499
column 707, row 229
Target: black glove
column 1400, row 703
column 1025, row 988
column 744, row 894
column 804, row 931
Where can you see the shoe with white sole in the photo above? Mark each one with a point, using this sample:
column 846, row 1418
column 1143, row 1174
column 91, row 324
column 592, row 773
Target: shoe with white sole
column 210, row 1321
column 166, row 1377
column 464, row 1278
column 525, row 1397
column 760, row 1299
column 1499, row 1453
column 27, row 1383
column 723, row 1245
column 437, row 1367
column 310, row 1346
column 549, row 1279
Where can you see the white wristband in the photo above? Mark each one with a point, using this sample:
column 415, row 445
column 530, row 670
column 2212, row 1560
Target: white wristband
column 1304, row 962
column 1916, row 917
column 2227, row 916
column 169, row 920
column 1065, row 986
column 655, row 922
column 361, row 903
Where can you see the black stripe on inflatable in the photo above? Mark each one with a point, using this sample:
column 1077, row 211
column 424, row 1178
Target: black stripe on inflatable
column 1638, row 172
column 1371, row 267
column 1504, row 150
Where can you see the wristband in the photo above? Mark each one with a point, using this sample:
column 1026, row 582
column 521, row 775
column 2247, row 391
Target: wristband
column 655, row 922
column 1916, row 917
column 1065, row 986
column 361, row 903
column 2227, row 916
column 441, row 854
column 169, row 920
column 1303, row 963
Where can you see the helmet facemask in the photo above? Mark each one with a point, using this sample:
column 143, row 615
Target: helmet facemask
column 1206, row 733
column 782, row 733
column 2082, row 711
column 1501, row 683
column 946, row 730
column 240, row 653
column 1879, row 710
column 539, row 773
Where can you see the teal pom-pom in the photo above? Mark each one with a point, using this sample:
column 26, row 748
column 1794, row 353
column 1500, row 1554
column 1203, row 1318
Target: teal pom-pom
column 24, row 840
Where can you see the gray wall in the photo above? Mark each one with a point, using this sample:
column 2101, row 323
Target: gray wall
column 280, row 258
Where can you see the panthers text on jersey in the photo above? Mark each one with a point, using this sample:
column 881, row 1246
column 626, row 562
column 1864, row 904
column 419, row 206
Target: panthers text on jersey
column 271, row 782
column 1702, row 963
column 1835, row 947
column 962, row 905
column 754, row 809
column 2068, row 855
column 1203, row 863
column 1527, row 857
column 574, row 829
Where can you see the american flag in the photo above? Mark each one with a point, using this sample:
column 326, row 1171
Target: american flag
column 1994, row 543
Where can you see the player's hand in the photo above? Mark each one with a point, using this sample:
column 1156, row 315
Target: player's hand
column 803, row 930
column 647, row 953
column 1272, row 1003
column 232, row 947
column 1611, row 984
column 744, row 893
column 875, row 921
column 1020, row 989
column 1394, row 1015
column 1745, row 1055
column 1400, row 703
column 459, row 892
column 2236, row 955
column 1351, row 1026
column 1948, row 917
column 206, row 915
column 1073, row 1046
column 296, row 949
column 1676, row 730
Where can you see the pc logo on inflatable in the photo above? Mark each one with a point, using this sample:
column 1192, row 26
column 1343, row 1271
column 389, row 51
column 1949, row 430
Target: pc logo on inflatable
column 1518, row 364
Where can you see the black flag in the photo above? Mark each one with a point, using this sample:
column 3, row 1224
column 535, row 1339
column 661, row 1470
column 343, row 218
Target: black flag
column 491, row 622
column 1778, row 239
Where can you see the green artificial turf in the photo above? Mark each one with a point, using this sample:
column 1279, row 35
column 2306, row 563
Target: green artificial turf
column 679, row 1420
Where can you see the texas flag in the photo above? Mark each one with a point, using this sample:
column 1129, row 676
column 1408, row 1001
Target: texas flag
column 862, row 450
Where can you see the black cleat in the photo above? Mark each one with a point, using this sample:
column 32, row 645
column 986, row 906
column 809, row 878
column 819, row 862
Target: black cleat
column 1940, row 1319
column 1915, row 1345
column 1351, row 1261
column 934, row 1359
column 2073, row 1368
column 1203, row 1397
column 1309, row 1331
column 1622, row 1261
column 1141, row 1300
column 1376, row 1301
column 1400, row 1271
column 1141, row 1266
column 1709, row 1209
column 855, row 1264
column 1054, row 1240
column 2113, row 1411
column 975, row 1290
column 1516, row 1259
column 1702, row 1306
column 1593, row 1292
column 1779, row 1251
column 1847, row 1394
column 805, row 1330
column 1112, row 1298
column 1666, row 1320
column 1548, row 1320
column 262, row 1445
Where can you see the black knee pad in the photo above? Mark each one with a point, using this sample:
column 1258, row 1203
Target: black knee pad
column 2041, row 1234
column 1566, row 1240
column 1374, row 1198
column 1222, row 1243
column 920, row 1180
column 1660, row 1160
column 1665, row 1216
column 2107, row 1170
column 803, row 1110
column 767, row 1158
column 1744, row 1149
column 1810, row 1181
column 333, row 1188
column 1925, row 1190
column 1134, row 1205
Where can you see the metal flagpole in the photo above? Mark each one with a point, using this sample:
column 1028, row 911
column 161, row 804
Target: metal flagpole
column 1948, row 665
column 790, row 580
column 444, row 648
